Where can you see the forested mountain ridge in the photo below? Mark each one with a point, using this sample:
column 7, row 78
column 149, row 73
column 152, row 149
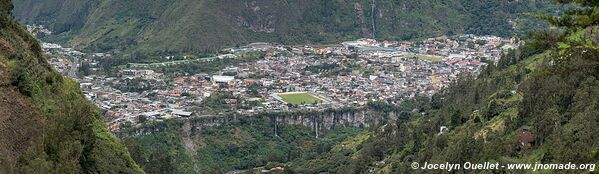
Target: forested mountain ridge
column 47, row 126
column 191, row 26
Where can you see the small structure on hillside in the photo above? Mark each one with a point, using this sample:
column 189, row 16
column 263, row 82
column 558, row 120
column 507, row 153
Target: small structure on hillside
column 222, row 79
column 443, row 130
column 181, row 113
column 525, row 138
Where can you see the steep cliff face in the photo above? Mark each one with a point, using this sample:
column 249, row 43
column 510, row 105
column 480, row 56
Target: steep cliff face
column 167, row 26
column 224, row 143
column 46, row 125
column 319, row 122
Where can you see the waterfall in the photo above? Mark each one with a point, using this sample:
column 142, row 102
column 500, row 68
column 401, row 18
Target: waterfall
column 275, row 118
column 373, row 22
column 316, row 122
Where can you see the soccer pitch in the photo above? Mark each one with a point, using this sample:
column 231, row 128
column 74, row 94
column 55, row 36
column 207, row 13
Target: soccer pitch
column 300, row 98
column 426, row 57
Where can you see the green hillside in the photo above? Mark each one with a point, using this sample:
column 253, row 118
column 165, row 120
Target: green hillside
column 192, row 26
column 47, row 126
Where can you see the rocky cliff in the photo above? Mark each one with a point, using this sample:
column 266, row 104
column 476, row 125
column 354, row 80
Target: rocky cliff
column 319, row 122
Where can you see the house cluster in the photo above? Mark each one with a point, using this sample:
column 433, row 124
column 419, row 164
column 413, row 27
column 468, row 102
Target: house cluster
column 36, row 29
column 349, row 75
column 64, row 60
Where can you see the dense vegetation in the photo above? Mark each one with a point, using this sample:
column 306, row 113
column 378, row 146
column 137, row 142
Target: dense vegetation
column 47, row 125
column 141, row 28
column 241, row 145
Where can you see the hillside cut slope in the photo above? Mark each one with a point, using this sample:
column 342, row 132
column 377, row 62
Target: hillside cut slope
column 46, row 125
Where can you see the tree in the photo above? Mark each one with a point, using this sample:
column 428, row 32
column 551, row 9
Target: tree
column 160, row 161
column 577, row 138
column 585, row 15
column 456, row 118
column 85, row 69
column 142, row 119
column 546, row 125
column 6, row 7
column 481, row 42
column 136, row 150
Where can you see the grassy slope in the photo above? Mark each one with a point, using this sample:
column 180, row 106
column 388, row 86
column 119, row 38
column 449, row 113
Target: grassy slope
column 50, row 127
column 207, row 25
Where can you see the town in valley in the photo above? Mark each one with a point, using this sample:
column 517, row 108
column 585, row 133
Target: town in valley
column 269, row 77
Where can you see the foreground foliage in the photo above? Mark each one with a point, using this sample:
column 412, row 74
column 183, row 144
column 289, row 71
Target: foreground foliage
column 68, row 134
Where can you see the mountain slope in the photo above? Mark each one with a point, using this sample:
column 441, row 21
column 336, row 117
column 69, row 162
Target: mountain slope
column 191, row 26
column 47, row 126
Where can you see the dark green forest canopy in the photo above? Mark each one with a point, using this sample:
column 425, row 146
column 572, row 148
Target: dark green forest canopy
column 580, row 17
column 6, row 7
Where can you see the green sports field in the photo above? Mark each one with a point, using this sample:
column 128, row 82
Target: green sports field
column 300, row 98
column 426, row 57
